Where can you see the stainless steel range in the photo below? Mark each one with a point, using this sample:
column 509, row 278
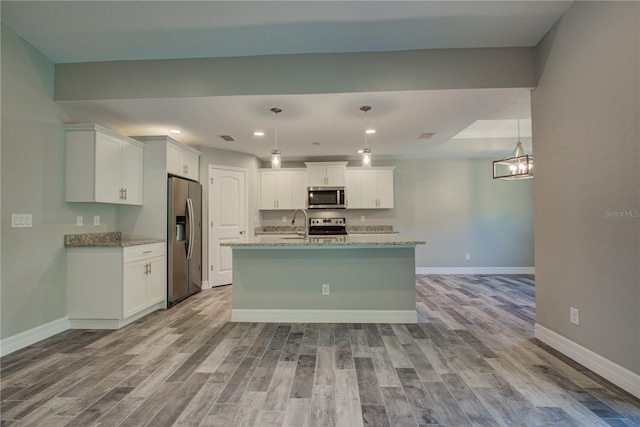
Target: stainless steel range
column 327, row 227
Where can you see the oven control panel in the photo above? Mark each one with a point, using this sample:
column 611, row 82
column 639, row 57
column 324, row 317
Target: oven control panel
column 326, row 221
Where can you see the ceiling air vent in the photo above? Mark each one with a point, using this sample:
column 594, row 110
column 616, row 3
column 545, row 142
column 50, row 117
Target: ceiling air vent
column 425, row 135
column 227, row 138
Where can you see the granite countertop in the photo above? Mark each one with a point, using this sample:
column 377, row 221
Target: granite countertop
column 278, row 229
column 355, row 241
column 351, row 229
column 104, row 240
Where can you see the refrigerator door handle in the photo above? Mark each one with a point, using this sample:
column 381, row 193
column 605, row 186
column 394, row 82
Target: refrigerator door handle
column 191, row 228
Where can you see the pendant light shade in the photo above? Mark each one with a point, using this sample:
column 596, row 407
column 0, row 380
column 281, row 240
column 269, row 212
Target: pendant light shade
column 276, row 159
column 366, row 157
column 517, row 165
column 366, row 152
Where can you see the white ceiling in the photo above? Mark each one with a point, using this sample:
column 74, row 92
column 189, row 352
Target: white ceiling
column 80, row 31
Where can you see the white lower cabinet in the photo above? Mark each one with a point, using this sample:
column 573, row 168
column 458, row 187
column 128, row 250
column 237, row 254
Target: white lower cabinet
column 111, row 287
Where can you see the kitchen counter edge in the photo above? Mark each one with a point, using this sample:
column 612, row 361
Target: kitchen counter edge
column 266, row 241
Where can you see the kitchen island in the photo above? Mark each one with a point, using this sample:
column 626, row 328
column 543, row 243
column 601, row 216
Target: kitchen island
column 281, row 279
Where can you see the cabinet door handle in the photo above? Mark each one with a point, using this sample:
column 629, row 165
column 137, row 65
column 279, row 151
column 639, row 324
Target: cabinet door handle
column 149, row 268
column 124, row 192
column 185, row 168
column 147, row 252
column 121, row 194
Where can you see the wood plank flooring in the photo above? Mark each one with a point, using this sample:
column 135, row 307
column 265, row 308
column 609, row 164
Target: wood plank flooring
column 470, row 361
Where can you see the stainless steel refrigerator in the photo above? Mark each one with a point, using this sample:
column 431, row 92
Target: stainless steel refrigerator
column 184, row 260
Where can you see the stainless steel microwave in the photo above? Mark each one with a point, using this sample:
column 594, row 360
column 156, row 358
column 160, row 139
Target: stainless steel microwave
column 326, row 198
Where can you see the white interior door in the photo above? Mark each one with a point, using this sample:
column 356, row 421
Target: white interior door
column 227, row 220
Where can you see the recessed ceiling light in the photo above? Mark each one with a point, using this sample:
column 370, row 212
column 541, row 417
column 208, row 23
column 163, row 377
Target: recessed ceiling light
column 258, row 133
column 175, row 131
column 370, row 131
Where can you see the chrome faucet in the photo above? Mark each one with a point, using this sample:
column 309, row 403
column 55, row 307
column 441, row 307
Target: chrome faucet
column 306, row 221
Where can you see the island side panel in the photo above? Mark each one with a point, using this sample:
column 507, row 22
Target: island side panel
column 361, row 279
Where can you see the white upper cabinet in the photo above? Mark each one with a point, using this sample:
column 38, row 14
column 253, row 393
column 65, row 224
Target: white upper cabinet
column 369, row 188
column 353, row 188
column 326, row 174
column 300, row 178
column 282, row 188
column 103, row 166
column 182, row 160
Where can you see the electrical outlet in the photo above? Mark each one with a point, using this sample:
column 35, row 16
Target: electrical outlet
column 79, row 221
column 326, row 289
column 467, row 256
column 361, row 218
column 574, row 315
column 284, row 219
column 96, row 220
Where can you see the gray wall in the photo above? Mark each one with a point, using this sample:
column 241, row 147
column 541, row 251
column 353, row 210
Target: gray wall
column 213, row 156
column 289, row 74
column 456, row 206
column 585, row 126
column 33, row 259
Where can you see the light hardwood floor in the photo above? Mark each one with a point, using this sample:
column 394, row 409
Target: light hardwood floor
column 470, row 361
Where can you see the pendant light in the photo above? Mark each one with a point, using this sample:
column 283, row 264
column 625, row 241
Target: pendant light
column 366, row 152
column 276, row 159
column 518, row 165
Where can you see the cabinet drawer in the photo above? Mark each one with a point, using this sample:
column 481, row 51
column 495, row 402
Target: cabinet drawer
column 132, row 253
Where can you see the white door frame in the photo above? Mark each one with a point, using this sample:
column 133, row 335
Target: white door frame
column 210, row 207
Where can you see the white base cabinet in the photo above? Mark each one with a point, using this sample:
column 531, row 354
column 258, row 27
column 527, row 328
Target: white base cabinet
column 103, row 166
column 109, row 287
column 369, row 188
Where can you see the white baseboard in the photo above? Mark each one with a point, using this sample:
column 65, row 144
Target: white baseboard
column 475, row 270
column 32, row 336
column 205, row 285
column 622, row 377
column 324, row 316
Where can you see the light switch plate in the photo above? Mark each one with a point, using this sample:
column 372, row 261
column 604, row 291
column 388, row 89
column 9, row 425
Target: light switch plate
column 21, row 221
column 79, row 221
column 96, row 220
column 574, row 316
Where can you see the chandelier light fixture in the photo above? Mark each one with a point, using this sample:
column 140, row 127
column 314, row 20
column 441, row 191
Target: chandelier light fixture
column 518, row 165
column 366, row 152
column 276, row 159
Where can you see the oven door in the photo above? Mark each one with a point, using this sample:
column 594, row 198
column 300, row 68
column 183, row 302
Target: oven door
column 325, row 198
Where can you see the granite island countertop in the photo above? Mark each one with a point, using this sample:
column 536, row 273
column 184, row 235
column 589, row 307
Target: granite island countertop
column 351, row 229
column 104, row 240
column 353, row 240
